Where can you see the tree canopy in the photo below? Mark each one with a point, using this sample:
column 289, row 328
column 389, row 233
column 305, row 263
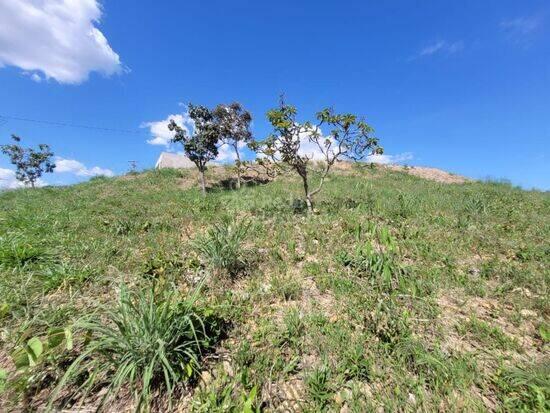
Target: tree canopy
column 30, row 163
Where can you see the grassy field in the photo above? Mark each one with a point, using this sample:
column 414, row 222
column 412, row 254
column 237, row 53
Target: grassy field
column 399, row 294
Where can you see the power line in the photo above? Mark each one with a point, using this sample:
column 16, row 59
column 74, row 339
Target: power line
column 4, row 118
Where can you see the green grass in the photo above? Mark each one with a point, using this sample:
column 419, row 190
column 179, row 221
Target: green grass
column 356, row 306
column 149, row 340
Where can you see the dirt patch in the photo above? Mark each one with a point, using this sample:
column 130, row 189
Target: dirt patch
column 287, row 396
column 456, row 310
column 432, row 174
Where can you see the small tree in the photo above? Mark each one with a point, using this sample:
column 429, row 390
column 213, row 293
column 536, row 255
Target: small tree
column 201, row 146
column 349, row 138
column 234, row 127
column 30, row 163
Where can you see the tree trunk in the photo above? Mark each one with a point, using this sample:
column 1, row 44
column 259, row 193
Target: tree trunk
column 203, row 182
column 238, row 167
column 309, row 201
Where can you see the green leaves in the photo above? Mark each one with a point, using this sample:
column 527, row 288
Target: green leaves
column 30, row 163
column 29, row 354
column 248, row 401
column 34, row 350
column 150, row 339
column 544, row 332
column 57, row 336
column 221, row 247
column 3, row 380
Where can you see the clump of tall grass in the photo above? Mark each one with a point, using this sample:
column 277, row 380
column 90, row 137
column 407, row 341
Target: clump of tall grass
column 147, row 341
column 525, row 389
column 16, row 252
column 376, row 260
column 222, row 246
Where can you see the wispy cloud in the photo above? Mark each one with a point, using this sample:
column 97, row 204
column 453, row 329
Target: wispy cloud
column 390, row 159
column 522, row 25
column 440, row 47
column 521, row 29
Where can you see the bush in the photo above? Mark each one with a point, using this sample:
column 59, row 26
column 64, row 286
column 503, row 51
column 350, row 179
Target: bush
column 147, row 341
column 221, row 246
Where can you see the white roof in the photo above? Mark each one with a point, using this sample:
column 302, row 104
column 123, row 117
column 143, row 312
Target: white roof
column 173, row 160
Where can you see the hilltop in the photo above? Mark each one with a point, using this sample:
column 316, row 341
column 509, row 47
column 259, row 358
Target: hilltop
column 400, row 293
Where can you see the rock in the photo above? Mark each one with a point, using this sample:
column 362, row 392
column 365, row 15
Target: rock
column 228, row 369
column 528, row 313
column 206, row 378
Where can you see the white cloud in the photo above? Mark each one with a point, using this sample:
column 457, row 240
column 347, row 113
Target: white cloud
column 160, row 133
column 70, row 166
column 226, row 153
column 307, row 147
column 441, row 47
column 390, row 159
column 79, row 169
column 9, row 181
column 56, row 38
column 521, row 25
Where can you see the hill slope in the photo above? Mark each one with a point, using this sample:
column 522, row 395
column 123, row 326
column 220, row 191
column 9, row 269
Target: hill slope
column 399, row 293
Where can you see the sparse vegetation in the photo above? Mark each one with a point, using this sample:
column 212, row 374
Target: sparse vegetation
column 401, row 294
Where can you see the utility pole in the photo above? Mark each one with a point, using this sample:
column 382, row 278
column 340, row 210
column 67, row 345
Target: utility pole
column 133, row 167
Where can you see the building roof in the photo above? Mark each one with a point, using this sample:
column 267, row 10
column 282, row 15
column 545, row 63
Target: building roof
column 173, row 160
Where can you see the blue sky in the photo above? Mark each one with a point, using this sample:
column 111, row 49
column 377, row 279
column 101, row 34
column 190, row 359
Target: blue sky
column 462, row 86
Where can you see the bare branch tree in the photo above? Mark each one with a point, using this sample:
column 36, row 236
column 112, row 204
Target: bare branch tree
column 349, row 138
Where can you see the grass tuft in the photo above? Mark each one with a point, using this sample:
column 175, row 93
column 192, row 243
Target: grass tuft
column 222, row 246
column 147, row 341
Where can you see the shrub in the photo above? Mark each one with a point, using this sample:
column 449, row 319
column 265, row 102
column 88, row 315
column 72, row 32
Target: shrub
column 147, row 341
column 221, row 247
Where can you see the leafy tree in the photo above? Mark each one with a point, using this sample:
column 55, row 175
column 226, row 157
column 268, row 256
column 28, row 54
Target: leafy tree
column 201, row 145
column 30, row 163
column 349, row 138
column 234, row 127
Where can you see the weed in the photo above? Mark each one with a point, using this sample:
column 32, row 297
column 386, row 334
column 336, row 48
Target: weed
column 145, row 342
column 293, row 328
column 287, row 287
column 488, row 335
column 388, row 322
column 318, row 386
column 16, row 252
column 525, row 389
column 380, row 265
column 222, row 246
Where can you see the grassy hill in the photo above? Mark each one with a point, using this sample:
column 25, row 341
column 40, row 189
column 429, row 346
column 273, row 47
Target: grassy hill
column 399, row 293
